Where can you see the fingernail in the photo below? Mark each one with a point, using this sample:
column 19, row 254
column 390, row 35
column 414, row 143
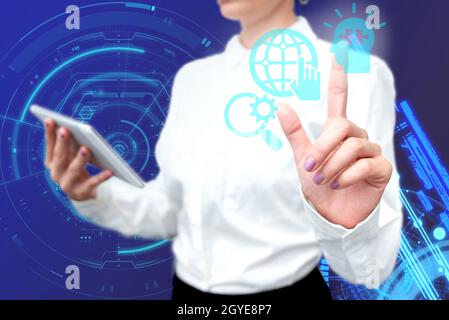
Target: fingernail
column 47, row 124
column 309, row 164
column 318, row 178
column 83, row 153
column 62, row 134
column 334, row 185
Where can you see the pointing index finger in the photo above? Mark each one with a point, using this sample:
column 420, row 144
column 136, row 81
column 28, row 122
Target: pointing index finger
column 338, row 85
column 295, row 133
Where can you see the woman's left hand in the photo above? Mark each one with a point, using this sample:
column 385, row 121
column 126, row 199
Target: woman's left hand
column 342, row 174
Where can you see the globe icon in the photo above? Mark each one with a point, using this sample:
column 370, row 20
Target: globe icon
column 274, row 60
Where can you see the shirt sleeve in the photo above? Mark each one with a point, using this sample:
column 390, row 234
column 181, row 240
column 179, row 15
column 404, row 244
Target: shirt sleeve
column 366, row 254
column 149, row 212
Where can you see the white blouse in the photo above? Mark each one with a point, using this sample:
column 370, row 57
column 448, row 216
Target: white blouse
column 232, row 205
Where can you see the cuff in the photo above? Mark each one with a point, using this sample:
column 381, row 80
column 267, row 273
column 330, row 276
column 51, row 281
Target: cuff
column 331, row 231
column 99, row 205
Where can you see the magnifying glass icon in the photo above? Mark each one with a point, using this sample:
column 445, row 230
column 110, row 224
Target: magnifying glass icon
column 249, row 110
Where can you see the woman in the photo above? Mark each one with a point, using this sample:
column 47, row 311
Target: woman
column 246, row 220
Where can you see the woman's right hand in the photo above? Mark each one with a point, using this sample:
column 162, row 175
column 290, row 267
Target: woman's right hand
column 67, row 163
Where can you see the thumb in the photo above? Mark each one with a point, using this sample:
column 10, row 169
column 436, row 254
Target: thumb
column 291, row 125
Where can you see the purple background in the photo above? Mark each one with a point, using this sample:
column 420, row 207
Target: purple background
column 415, row 44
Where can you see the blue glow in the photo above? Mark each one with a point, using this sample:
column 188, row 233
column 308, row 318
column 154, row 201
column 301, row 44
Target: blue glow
column 445, row 220
column 352, row 44
column 423, row 255
column 71, row 60
column 339, row 14
column 254, row 103
column 428, row 288
column 136, row 127
column 85, row 90
column 328, row 25
column 142, row 249
column 433, row 175
column 293, row 58
column 416, row 268
column 432, row 169
column 425, row 201
column 228, row 121
column 439, row 233
column 138, row 5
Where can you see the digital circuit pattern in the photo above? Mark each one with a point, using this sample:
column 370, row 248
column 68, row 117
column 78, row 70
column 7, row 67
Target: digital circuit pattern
column 422, row 270
column 116, row 73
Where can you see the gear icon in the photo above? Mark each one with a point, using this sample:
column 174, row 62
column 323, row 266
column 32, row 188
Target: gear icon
column 264, row 109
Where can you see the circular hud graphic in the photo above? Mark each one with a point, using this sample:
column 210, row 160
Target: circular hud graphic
column 422, row 267
column 116, row 73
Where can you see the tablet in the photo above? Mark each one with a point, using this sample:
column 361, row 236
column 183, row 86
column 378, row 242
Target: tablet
column 87, row 136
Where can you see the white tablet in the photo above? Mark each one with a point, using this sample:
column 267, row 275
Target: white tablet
column 87, row 136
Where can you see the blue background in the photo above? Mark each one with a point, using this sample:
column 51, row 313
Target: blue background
column 415, row 46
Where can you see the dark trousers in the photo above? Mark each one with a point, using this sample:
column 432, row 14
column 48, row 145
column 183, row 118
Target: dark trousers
column 312, row 287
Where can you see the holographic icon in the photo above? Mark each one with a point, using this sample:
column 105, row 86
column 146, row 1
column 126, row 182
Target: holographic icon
column 358, row 37
column 263, row 109
column 284, row 63
column 359, row 40
column 250, row 116
column 309, row 79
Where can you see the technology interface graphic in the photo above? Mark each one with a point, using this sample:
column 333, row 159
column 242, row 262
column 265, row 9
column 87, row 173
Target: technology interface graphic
column 422, row 269
column 284, row 63
column 116, row 73
column 248, row 115
column 359, row 37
